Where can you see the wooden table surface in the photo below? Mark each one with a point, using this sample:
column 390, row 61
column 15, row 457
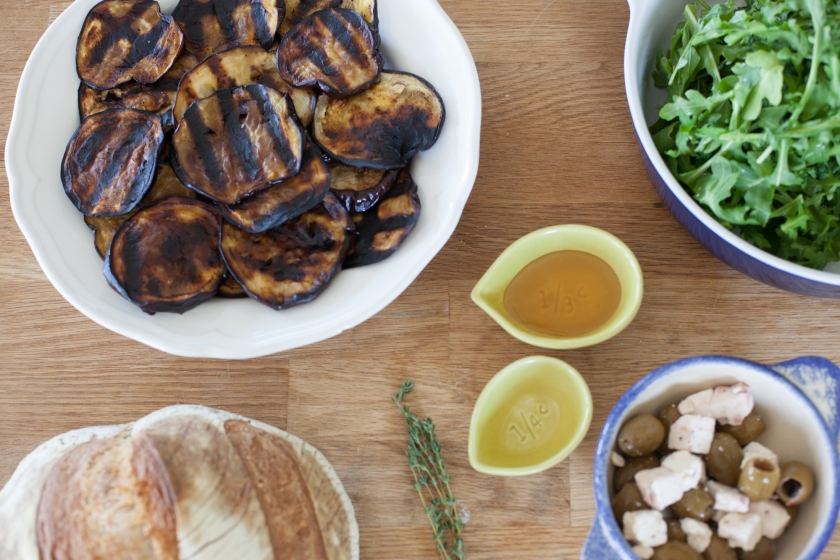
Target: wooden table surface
column 557, row 147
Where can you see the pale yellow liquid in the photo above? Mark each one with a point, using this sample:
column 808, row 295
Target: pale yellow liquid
column 530, row 424
column 566, row 293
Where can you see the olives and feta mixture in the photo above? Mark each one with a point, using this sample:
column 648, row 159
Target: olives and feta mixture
column 694, row 484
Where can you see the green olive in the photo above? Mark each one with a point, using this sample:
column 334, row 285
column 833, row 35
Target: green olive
column 719, row 550
column 759, row 479
column 696, row 503
column 675, row 532
column 628, row 499
column 749, row 430
column 627, row 473
column 668, row 416
column 676, row 550
column 723, row 463
column 641, row 435
column 796, row 484
column 793, row 511
column 764, row 550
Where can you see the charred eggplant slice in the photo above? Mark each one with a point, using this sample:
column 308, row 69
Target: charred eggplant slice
column 104, row 230
column 334, row 49
column 212, row 26
column 383, row 228
column 166, row 185
column 127, row 96
column 382, row 127
column 110, row 162
column 293, row 263
column 238, row 67
column 298, row 10
column 156, row 98
column 166, row 257
column 368, row 9
column 125, row 40
column 236, row 142
column 231, row 289
column 286, row 200
column 358, row 188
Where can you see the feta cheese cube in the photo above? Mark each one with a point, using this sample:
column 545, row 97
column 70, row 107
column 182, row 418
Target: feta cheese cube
column 698, row 403
column 727, row 498
column 730, row 405
column 692, row 433
column 774, row 518
column 755, row 451
column 660, row 487
column 699, row 534
column 616, row 459
column 643, row 552
column 645, row 527
column 742, row 530
column 690, row 467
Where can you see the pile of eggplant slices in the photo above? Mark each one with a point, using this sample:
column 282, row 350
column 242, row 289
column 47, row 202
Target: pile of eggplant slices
column 242, row 147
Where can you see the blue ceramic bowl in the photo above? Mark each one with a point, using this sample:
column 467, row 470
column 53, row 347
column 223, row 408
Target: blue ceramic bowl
column 798, row 400
column 652, row 23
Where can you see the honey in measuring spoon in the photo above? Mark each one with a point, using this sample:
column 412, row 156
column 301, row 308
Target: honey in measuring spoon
column 565, row 293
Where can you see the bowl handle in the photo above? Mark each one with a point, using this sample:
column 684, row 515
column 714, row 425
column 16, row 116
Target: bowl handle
column 819, row 379
column 598, row 546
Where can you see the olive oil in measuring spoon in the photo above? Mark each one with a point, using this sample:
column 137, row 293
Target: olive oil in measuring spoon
column 566, row 293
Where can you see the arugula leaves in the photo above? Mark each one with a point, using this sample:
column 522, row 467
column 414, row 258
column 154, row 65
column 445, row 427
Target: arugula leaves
column 751, row 126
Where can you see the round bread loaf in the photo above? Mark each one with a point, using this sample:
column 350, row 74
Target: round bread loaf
column 183, row 482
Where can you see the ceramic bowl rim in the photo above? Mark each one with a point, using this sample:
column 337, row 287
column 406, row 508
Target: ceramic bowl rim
column 559, row 367
column 630, row 398
column 632, row 60
column 611, row 328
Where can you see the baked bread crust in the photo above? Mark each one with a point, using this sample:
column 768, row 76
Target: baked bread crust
column 282, row 492
column 185, row 481
column 108, row 499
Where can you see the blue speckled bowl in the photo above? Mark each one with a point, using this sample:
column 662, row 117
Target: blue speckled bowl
column 798, row 400
column 652, row 23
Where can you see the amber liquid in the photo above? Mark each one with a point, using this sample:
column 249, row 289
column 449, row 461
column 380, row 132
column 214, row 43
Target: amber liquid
column 566, row 293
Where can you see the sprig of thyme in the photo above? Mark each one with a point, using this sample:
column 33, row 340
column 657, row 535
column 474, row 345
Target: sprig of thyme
column 431, row 480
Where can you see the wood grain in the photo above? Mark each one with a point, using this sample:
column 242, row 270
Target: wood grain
column 557, row 147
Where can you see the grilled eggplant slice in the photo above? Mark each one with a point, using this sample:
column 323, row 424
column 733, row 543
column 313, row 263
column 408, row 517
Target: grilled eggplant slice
column 110, row 162
column 155, row 98
column 125, row 40
column 293, row 263
column 236, row 142
column 104, row 230
column 285, row 200
column 383, row 228
column 298, row 10
column 166, row 185
column 127, row 96
column 382, row 127
column 166, row 257
column 238, row 67
column 368, row 9
column 231, row 289
column 358, row 188
column 212, row 26
column 334, row 49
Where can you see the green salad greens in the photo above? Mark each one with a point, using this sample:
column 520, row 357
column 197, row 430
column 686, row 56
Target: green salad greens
column 751, row 126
